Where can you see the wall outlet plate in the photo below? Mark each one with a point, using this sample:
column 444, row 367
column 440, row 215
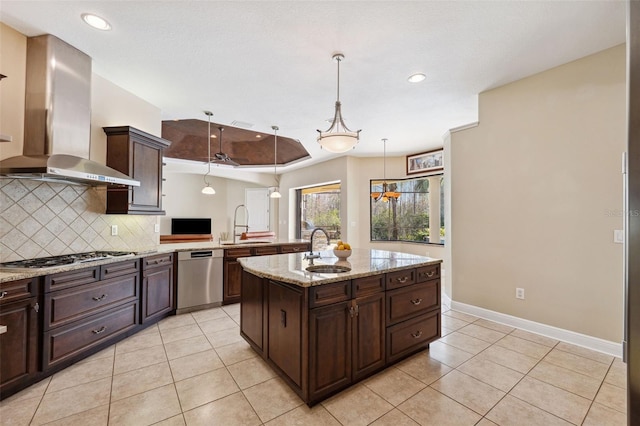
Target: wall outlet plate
column 519, row 293
column 114, row 230
column 156, row 228
column 618, row 236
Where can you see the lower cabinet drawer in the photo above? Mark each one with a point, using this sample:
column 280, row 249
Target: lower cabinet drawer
column 412, row 335
column 407, row 302
column 65, row 306
column 67, row 341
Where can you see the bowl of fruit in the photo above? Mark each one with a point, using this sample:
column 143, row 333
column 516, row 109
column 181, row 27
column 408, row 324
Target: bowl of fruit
column 342, row 250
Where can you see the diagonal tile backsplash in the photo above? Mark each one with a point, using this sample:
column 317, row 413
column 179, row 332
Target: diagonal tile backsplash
column 40, row 219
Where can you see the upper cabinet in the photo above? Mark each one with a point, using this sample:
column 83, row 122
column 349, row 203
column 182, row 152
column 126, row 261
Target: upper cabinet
column 139, row 155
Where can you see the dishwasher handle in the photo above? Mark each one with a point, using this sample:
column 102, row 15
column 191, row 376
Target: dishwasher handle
column 200, row 254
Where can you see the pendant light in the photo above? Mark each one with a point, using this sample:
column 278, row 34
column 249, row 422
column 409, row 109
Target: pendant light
column 208, row 190
column 385, row 195
column 275, row 194
column 338, row 138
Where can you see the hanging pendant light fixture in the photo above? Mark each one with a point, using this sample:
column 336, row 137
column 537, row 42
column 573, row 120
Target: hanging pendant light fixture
column 338, row 138
column 276, row 193
column 208, row 190
column 385, row 195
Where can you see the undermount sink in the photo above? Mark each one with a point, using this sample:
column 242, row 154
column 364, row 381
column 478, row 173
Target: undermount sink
column 328, row 269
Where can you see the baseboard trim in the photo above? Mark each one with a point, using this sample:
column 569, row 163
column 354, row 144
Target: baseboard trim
column 589, row 342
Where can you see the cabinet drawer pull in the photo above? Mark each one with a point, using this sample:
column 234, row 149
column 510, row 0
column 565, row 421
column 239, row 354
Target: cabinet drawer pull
column 416, row 301
column 102, row 330
column 3, row 294
column 402, row 280
column 97, row 299
column 296, row 249
column 416, row 334
column 430, row 274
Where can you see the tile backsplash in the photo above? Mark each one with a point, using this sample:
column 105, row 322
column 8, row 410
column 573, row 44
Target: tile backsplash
column 39, row 219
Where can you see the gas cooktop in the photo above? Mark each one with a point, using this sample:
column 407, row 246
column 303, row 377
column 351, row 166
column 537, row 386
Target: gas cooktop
column 65, row 259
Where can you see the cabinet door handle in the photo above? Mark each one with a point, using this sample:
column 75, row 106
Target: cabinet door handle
column 430, row 274
column 352, row 311
column 36, row 307
column 100, row 330
column 416, row 334
column 3, row 294
column 416, row 301
column 99, row 298
column 402, row 280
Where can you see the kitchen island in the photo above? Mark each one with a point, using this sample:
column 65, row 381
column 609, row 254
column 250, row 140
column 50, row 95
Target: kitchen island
column 323, row 332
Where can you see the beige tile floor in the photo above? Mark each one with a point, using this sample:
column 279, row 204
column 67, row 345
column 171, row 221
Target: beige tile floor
column 195, row 369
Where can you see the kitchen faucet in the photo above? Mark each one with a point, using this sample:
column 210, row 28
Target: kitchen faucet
column 312, row 256
column 235, row 220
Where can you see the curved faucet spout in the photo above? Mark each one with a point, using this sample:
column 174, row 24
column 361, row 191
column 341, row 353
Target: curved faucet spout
column 235, row 221
column 312, row 256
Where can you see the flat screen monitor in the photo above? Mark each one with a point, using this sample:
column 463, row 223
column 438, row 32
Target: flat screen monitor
column 190, row 226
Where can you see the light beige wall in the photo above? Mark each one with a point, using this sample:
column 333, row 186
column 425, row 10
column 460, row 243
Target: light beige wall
column 328, row 171
column 354, row 174
column 111, row 105
column 533, row 186
column 184, row 199
column 13, row 62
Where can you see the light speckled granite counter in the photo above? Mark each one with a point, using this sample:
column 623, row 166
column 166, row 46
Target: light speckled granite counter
column 290, row 268
column 6, row 276
column 210, row 245
column 37, row 272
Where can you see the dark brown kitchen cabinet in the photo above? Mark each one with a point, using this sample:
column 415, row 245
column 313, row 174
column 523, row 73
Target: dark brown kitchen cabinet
column 329, row 349
column 158, row 290
column 347, row 339
column 323, row 338
column 88, row 308
column 252, row 313
column 19, row 348
column 232, row 274
column 139, row 155
column 285, row 329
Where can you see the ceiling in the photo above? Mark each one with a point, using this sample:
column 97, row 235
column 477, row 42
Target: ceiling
column 264, row 63
column 189, row 142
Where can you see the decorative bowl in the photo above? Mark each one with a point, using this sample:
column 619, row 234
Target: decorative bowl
column 341, row 254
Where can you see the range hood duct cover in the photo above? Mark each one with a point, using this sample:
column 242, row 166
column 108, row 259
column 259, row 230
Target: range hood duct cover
column 57, row 128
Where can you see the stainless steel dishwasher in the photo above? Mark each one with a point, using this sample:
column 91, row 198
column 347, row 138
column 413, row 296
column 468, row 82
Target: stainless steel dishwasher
column 199, row 279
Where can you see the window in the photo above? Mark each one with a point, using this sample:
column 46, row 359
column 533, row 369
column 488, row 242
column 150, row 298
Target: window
column 319, row 207
column 408, row 210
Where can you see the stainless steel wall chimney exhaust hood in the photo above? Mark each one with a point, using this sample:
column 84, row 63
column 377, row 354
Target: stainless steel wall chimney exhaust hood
column 57, row 128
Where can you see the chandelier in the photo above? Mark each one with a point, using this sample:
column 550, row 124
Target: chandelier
column 338, row 138
column 385, row 195
column 208, row 190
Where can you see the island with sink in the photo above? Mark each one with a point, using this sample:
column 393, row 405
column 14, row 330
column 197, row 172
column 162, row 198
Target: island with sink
column 324, row 324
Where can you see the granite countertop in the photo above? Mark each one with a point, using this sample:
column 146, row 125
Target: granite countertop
column 37, row 272
column 162, row 248
column 290, row 268
column 212, row 245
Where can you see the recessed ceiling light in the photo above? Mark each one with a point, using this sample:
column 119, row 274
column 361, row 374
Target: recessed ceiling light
column 416, row 78
column 96, row 22
column 258, row 136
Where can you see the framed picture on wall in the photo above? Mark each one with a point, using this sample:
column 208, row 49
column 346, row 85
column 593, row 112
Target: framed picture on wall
column 426, row 162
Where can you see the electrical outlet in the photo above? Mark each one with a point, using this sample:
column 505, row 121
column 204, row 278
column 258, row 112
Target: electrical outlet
column 156, row 227
column 519, row 293
column 618, row 236
column 114, row 230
